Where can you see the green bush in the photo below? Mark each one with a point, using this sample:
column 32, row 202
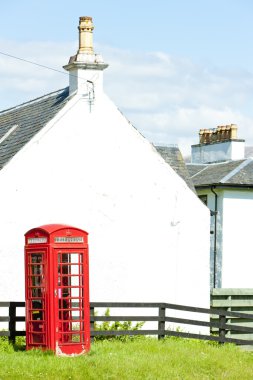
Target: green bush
column 117, row 326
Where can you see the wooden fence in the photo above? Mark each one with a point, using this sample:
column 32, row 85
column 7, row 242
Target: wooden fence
column 163, row 311
column 238, row 300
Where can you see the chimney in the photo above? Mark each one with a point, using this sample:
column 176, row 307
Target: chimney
column 86, row 67
column 85, row 35
column 217, row 145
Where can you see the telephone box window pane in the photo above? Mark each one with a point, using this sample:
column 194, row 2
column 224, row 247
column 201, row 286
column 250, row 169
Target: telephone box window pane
column 37, row 269
column 36, row 281
column 74, row 258
column 76, row 338
column 76, row 303
column 75, row 292
column 66, row 292
column 76, row 315
column 74, row 281
column 36, row 257
column 36, row 292
column 37, row 315
column 37, row 304
column 75, row 269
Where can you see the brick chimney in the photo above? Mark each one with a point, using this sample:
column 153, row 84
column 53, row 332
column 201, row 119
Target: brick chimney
column 218, row 144
column 86, row 67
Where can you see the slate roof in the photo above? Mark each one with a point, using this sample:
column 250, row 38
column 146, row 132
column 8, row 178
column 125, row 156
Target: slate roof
column 174, row 158
column 24, row 121
column 237, row 173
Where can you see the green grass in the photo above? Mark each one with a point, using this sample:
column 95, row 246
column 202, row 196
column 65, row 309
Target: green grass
column 142, row 358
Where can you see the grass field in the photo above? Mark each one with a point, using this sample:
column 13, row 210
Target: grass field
column 143, row 358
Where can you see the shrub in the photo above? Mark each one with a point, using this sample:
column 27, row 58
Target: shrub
column 117, row 326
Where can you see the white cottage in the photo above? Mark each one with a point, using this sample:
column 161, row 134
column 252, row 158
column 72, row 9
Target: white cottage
column 71, row 157
column 223, row 179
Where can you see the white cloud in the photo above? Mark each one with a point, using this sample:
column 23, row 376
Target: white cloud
column 179, row 97
column 168, row 99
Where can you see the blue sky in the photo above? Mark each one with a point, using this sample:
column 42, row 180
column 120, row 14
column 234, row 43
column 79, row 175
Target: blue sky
column 175, row 66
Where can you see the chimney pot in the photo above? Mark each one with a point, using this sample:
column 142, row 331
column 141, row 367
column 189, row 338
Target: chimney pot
column 201, row 136
column 208, row 136
column 86, row 35
column 214, row 135
column 233, row 131
column 218, row 133
column 223, row 133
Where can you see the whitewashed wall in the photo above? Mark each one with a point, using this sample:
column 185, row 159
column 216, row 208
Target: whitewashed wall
column 237, row 239
column 234, row 238
column 148, row 232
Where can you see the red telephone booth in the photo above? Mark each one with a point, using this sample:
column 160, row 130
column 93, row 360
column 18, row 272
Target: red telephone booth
column 57, row 289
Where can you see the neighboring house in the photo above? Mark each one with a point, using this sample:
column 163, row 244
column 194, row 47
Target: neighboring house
column 71, row 157
column 223, row 179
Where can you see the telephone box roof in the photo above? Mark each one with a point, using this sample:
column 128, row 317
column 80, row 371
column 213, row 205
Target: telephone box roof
column 50, row 228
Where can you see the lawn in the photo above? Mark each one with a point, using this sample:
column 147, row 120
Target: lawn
column 141, row 358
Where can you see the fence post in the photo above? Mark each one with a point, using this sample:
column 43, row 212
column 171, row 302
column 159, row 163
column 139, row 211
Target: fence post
column 161, row 322
column 12, row 322
column 222, row 329
column 92, row 313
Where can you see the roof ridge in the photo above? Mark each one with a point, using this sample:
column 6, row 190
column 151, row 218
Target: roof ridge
column 236, row 170
column 33, row 100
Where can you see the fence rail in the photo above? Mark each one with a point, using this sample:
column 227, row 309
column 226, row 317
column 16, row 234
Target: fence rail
column 221, row 324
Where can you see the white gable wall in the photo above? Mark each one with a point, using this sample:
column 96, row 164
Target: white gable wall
column 148, row 232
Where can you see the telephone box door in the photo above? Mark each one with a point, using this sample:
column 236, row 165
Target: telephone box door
column 36, row 272
column 71, row 292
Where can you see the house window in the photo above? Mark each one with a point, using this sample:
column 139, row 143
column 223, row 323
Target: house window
column 203, row 198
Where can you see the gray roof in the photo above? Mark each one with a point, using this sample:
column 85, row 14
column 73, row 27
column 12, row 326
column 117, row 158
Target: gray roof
column 237, row 173
column 194, row 169
column 19, row 124
column 173, row 157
